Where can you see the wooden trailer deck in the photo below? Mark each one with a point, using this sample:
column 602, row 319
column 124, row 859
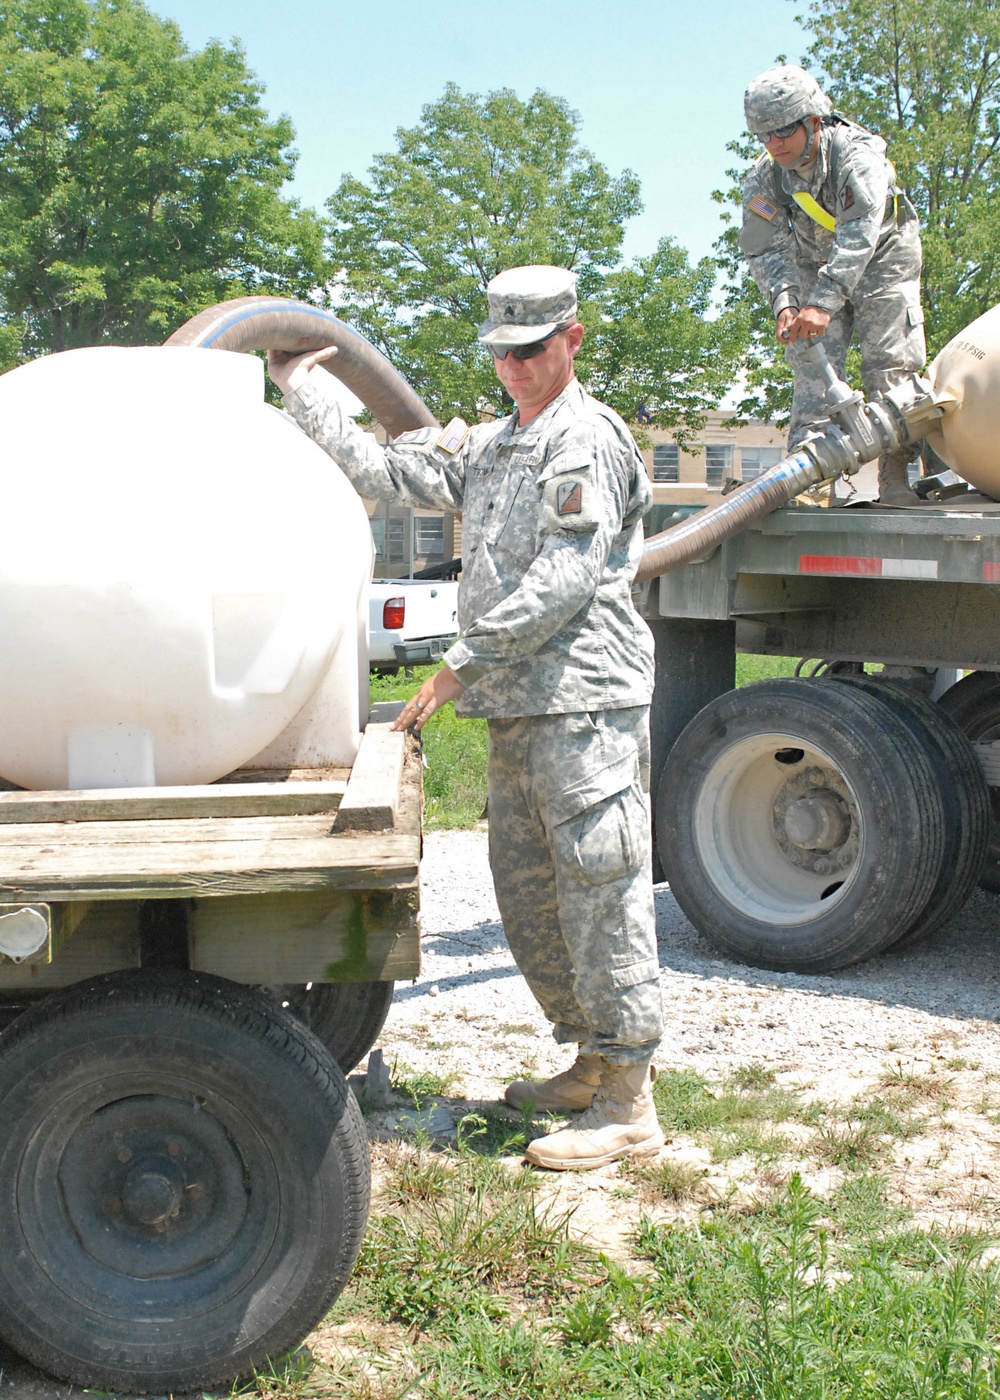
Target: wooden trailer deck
column 294, row 876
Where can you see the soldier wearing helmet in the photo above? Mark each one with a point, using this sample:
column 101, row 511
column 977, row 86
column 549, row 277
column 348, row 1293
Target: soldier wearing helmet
column 834, row 245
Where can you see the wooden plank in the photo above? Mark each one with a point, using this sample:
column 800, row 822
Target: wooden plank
column 318, row 936
column 170, row 870
column 372, row 797
column 19, row 838
column 174, row 803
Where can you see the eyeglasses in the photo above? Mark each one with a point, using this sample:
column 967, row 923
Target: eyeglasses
column 526, row 352
column 781, row 132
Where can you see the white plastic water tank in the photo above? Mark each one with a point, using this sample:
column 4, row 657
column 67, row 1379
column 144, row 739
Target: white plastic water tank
column 179, row 567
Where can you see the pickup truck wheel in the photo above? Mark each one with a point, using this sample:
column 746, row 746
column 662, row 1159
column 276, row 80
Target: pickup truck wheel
column 787, row 818
column 346, row 1016
column 974, row 704
column 964, row 795
column 184, row 1182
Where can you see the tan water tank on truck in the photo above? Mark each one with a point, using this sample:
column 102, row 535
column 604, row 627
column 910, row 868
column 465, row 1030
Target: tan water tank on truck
column 182, row 574
column 965, row 378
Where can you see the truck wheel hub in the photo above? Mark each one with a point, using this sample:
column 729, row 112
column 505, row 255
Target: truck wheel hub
column 813, row 822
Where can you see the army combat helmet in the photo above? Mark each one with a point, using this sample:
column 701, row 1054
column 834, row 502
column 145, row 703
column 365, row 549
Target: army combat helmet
column 782, row 96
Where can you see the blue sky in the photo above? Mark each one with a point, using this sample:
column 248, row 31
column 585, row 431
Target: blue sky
column 659, row 86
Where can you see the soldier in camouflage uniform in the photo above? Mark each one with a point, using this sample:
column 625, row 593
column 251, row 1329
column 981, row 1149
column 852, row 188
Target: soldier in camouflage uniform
column 553, row 653
column 834, row 245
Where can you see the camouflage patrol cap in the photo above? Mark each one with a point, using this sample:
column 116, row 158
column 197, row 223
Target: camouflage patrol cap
column 528, row 303
column 781, row 96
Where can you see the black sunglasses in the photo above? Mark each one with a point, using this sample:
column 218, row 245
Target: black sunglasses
column 526, row 352
column 782, row 132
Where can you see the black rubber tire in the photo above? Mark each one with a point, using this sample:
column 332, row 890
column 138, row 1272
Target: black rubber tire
column 964, row 794
column 346, row 1016
column 16, row 1003
column 184, row 1182
column 974, row 704
column 743, row 769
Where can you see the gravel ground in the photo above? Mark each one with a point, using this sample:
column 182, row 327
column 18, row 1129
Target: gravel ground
column 719, row 1014
column 931, row 1011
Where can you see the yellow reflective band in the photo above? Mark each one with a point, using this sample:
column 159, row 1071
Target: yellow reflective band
column 816, row 212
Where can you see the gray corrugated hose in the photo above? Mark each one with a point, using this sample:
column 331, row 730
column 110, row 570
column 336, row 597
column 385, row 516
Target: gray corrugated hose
column 272, row 323
column 702, row 533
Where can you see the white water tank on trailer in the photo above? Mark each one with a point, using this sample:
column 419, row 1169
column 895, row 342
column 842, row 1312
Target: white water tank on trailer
column 182, row 573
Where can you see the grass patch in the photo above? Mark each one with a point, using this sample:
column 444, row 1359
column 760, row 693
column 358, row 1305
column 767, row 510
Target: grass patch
column 790, row 1298
column 455, row 750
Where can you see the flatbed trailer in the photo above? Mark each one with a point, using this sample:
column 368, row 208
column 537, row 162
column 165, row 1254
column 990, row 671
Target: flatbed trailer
column 183, row 1171
column 772, row 816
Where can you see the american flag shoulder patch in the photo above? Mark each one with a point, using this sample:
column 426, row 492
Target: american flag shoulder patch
column 759, row 205
column 454, row 435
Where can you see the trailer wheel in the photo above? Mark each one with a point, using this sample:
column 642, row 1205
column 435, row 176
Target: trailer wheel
column 183, row 1182
column 346, row 1016
column 974, row 704
column 964, row 794
column 788, row 815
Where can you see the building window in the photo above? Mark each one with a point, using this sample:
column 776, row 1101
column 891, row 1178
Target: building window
column 397, row 543
column 378, row 535
column 666, row 461
column 718, row 462
column 430, row 537
column 754, row 460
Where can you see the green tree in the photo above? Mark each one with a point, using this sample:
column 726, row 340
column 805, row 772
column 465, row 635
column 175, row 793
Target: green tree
column 925, row 74
column 481, row 183
column 653, row 340
column 139, row 181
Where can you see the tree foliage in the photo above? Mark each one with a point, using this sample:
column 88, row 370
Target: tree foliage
column 484, row 183
column 653, row 340
column 139, row 181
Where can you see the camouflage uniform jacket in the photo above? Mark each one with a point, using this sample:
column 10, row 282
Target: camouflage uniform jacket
column 789, row 253
column 551, row 539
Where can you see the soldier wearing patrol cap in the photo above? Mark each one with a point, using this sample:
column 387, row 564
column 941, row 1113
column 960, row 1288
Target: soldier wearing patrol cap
column 834, row 245
column 553, row 653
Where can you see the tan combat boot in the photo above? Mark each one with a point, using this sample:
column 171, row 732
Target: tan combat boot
column 621, row 1122
column 564, row 1093
column 893, row 486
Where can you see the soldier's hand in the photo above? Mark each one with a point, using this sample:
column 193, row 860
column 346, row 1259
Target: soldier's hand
column 809, row 324
column 289, row 369
column 443, row 686
column 784, row 321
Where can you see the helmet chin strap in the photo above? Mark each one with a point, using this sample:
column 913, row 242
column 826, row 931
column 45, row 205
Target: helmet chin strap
column 809, row 149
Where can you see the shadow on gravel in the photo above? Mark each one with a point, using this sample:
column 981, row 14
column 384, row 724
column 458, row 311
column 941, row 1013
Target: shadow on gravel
column 954, row 973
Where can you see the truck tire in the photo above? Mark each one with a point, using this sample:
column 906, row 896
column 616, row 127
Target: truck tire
column 346, row 1016
column 786, row 818
column 974, row 704
column 964, row 795
column 183, row 1182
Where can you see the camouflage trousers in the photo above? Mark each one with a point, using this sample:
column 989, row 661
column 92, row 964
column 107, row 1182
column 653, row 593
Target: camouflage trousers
column 571, row 860
column 885, row 314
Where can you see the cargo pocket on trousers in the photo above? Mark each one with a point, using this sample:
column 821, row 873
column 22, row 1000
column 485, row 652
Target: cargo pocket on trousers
column 606, row 841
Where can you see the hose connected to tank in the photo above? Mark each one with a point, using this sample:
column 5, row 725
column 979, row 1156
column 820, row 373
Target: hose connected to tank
column 855, row 433
column 272, row 323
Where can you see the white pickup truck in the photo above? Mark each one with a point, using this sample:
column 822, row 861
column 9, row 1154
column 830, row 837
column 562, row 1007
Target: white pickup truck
column 411, row 621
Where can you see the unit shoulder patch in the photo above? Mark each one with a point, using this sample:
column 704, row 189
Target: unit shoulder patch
column 569, row 498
